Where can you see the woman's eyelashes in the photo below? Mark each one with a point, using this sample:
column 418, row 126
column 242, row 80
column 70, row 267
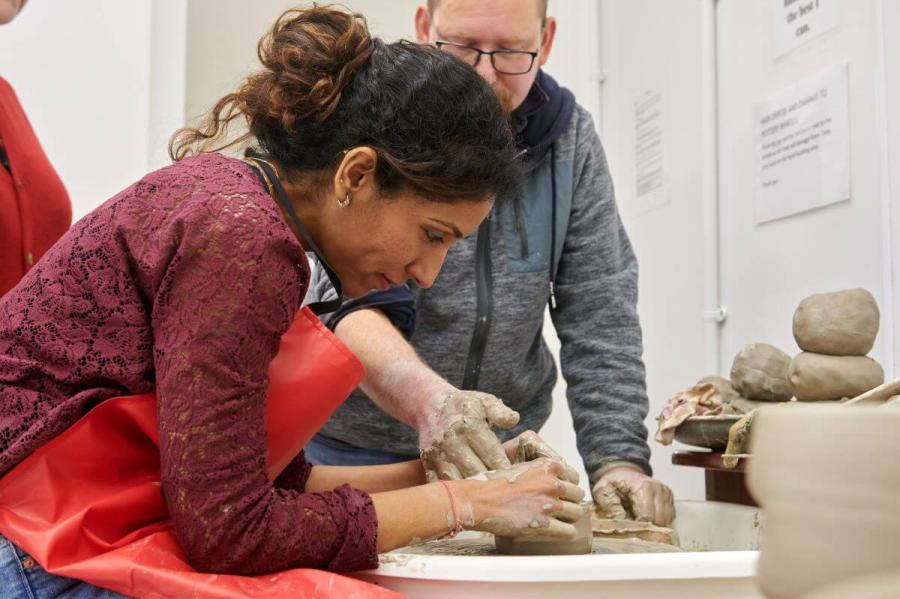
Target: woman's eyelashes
column 434, row 236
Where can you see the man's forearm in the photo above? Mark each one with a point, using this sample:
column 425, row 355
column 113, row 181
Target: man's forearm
column 397, row 380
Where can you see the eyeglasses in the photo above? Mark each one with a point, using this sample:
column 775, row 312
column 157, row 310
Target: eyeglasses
column 508, row 62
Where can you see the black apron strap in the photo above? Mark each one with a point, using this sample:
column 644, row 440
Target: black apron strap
column 266, row 173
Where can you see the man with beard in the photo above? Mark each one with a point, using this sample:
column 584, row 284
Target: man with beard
column 476, row 335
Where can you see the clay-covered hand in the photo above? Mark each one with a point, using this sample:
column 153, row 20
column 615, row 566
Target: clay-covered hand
column 530, row 446
column 524, row 499
column 456, row 440
column 626, row 493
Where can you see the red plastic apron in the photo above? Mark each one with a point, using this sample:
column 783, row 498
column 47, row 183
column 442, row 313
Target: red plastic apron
column 89, row 504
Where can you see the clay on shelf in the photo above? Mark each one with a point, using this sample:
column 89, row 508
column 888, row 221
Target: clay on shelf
column 819, row 377
column 760, row 372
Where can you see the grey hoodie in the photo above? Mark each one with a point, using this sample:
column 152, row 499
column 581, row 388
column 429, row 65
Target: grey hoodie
column 480, row 325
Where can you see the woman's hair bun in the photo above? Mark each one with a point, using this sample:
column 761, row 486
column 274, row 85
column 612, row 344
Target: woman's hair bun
column 308, row 57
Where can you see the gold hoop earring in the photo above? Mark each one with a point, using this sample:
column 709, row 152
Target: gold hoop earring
column 346, row 201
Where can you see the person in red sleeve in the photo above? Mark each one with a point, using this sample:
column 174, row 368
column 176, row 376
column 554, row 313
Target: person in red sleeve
column 34, row 206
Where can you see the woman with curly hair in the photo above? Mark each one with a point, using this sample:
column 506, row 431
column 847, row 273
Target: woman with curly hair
column 376, row 157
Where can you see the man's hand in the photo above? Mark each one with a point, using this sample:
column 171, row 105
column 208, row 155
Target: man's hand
column 456, row 440
column 626, row 493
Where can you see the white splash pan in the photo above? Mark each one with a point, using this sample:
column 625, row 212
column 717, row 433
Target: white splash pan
column 720, row 542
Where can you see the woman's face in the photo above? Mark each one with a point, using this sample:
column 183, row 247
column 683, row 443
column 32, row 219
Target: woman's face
column 376, row 242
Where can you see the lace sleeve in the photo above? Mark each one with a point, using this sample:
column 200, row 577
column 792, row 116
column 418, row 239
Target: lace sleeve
column 231, row 289
column 295, row 474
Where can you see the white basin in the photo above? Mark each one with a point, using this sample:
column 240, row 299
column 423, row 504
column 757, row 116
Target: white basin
column 720, row 542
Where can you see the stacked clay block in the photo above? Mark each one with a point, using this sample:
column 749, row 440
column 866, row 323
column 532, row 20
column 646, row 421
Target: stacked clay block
column 835, row 331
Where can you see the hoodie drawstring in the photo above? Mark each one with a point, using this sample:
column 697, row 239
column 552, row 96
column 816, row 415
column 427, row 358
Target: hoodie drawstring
column 552, row 273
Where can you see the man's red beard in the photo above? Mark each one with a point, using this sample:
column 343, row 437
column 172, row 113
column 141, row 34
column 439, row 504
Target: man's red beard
column 505, row 97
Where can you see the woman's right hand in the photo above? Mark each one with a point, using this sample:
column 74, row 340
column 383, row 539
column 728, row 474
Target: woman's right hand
column 532, row 498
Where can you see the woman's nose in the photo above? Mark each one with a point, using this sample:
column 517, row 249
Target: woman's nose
column 424, row 269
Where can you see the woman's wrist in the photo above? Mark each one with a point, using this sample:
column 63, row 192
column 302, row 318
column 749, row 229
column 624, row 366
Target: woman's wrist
column 454, row 519
column 468, row 505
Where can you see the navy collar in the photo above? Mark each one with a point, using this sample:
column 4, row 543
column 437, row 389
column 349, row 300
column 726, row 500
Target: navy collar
column 541, row 118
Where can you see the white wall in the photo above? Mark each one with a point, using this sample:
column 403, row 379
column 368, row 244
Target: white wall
column 223, row 34
column 768, row 268
column 168, row 31
column 575, row 60
column 83, row 71
column 889, row 10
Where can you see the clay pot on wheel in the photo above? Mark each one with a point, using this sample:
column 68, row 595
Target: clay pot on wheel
column 828, row 480
column 580, row 544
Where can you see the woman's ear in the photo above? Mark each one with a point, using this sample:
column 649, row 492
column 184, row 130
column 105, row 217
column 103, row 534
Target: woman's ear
column 356, row 171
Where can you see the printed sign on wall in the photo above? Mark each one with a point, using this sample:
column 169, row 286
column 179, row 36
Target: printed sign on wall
column 803, row 145
column 798, row 21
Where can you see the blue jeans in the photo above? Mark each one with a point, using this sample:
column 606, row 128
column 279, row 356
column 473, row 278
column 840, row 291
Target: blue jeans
column 23, row 578
column 320, row 452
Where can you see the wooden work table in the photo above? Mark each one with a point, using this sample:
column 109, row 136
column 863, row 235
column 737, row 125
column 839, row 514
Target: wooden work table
column 722, row 484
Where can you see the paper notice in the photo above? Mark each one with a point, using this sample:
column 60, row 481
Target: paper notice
column 803, row 146
column 798, row 21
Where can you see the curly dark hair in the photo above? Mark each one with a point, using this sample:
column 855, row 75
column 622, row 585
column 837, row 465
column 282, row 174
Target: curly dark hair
column 326, row 85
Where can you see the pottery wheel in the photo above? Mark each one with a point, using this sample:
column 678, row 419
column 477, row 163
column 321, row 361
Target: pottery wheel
column 485, row 546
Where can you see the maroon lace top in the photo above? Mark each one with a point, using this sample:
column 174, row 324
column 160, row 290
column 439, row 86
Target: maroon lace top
column 182, row 283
